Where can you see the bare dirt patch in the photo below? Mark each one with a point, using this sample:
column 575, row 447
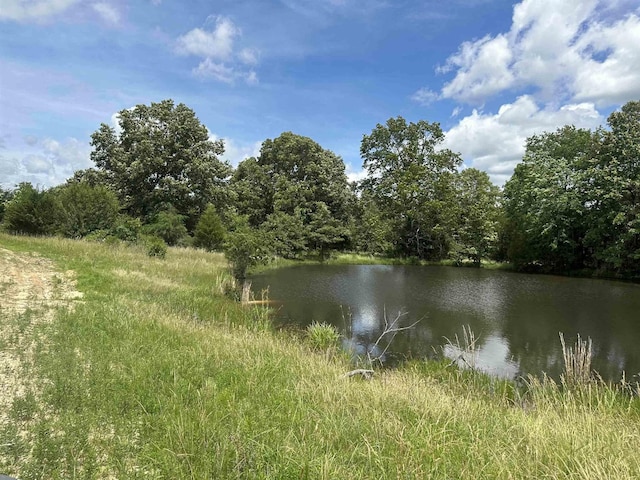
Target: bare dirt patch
column 29, row 284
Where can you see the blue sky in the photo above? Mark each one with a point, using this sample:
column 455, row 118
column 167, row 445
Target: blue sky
column 491, row 73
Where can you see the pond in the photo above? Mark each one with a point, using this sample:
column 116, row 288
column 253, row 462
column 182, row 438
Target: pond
column 516, row 318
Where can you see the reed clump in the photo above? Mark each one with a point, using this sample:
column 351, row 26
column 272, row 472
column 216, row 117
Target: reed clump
column 577, row 361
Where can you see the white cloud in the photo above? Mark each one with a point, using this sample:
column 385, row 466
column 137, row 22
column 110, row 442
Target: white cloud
column 235, row 152
column 248, row 56
column 216, row 48
column 425, row 96
column 224, row 72
column 108, row 12
column 45, row 162
column 24, row 10
column 216, row 44
column 563, row 49
column 616, row 79
column 210, row 69
column 495, row 143
column 354, row 175
column 482, row 70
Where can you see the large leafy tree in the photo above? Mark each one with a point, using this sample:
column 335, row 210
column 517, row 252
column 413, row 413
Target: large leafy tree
column 478, row 202
column 297, row 191
column 411, row 179
column 161, row 155
column 614, row 186
column 545, row 201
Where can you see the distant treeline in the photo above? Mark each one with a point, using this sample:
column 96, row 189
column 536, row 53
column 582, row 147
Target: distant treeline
column 572, row 204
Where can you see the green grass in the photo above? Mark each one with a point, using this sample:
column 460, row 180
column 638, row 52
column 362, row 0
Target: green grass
column 156, row 374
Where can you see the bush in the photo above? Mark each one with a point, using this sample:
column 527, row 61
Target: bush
column 127, row 229
column 155, row 247
column 85, row 209
column 245, row 247
column 168, row 225
column 209, row 232
column 31, row 211
column 5, row 196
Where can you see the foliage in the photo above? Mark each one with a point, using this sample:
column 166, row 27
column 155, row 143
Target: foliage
column 544, row 200
column 161, row 155
column 155, row 246
column 325, row 231
column 127, row 229
column 478, row 214
column 613, row 182
column 371, row 232
column 289, row 232
column 168, row 225
column 209, row 232
column 574, row 201
column 323, row 336
column 31, row 211
column 282, row 191
column 411, row 180
column 5, row 196
column 85, row 208
column 246, row 247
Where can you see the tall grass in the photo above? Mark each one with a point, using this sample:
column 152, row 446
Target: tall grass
column 577, row 361
column 157, row 374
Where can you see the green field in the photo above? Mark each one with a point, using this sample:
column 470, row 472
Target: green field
column 154, row 373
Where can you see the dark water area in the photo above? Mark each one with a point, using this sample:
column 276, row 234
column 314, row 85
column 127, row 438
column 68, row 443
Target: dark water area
column 515, row 317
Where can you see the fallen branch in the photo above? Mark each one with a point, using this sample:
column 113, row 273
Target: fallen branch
column 364, row 373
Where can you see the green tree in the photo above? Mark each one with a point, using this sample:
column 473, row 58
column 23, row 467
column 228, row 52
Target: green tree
column 289, row 232
column 168, row 225
column 411, row 179
column 478, row 207
column 5, row 196
column 613, row 204
column 84, row 208
column 282, row 187
column 545, row 201
column 245, row 247
column 161, row 155
column 371, row 231
column 31, row 211
column 209, row 233
column 326, row 232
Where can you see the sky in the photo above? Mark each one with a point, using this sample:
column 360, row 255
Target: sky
column 491, row 72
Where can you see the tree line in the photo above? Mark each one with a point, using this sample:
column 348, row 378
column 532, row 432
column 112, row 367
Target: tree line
column 573, row 202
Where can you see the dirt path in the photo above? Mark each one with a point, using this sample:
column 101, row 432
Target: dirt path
column 30, row 290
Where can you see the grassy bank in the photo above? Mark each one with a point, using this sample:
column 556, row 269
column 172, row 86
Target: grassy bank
column 155, row 374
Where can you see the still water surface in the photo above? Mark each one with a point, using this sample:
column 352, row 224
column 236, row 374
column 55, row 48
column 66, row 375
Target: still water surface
column 516, row 317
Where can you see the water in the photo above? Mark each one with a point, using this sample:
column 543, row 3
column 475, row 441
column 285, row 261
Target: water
column 515, row 317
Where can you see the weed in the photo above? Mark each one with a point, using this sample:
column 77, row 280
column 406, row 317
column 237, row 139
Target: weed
column 323, row 336
column 577, row 361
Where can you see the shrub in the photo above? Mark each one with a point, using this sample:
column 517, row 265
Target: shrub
column 31, row 211
column 85, row 209
column 5, row 196
column 168, row 225
column 323, row 336
column 246, row 247
column 209, row 232
column 155, row 247
column 127, row 229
